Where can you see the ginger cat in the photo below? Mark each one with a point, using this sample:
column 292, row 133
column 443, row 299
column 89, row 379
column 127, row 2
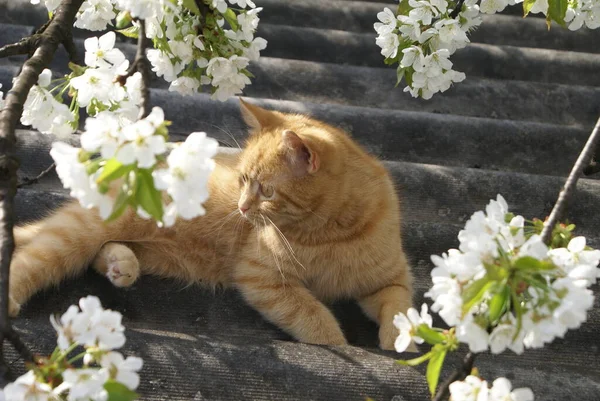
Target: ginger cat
column 301, row 216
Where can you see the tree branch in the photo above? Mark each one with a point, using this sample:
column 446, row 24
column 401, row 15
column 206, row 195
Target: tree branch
column 28, row 181
column 459, row 374
column 142, row 65
column 565, row 194
column 457, row 9
column 56, row 32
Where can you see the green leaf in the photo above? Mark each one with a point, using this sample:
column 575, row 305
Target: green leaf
column 430, row 335
column 123, row 19
column 498, row 303
column 399, row 75
column 557, row 10
column 403, row 8
column 119, row 392
column 434, row 367
column 121, row 203
column 147, row 195
column 516, row 304
column 192, row 6
column 474, row 292
column 231, row 18
column 527, row 263
column 408, row 76
column 131, row 32
column 112, row 170
column 527, row 4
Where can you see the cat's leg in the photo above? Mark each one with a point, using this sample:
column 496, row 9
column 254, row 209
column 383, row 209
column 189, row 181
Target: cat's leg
column 24, row 234
column 384, row 304
column 63, row 246
column 287, row 304
column 118, row 263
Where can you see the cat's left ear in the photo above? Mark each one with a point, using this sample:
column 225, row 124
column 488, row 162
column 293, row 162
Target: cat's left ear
column 301, row 157
column 258, row 118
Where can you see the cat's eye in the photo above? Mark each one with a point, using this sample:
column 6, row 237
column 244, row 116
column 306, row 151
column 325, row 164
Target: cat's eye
column 243, row 179
column 266, row 191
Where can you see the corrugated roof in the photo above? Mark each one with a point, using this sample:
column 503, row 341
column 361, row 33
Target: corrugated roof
column 513, row 127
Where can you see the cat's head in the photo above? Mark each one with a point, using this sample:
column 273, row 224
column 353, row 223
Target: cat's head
column 287, row 166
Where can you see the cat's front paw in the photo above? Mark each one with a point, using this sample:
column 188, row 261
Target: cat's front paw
column 123, row 273
column 13, row 307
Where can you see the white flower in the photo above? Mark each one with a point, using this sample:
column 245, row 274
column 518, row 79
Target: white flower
column 162, row 65
column 100, row 52
column 471, row 389
column 252, row 52
column 51, row 5
column 243, row 3
column 540, row 6
column 534, row 247
column 408, row 325
column 95, row 15
column 581, row 12
column 492, row 6
column 182, row 50
column 387, row 22
column 502, row 338
column 84, row 384
column 248, row 22
column 446, row 295
column 576, row 262
column 424, row 10
column 472, row 334
column 102, row 133
column 501, row 391
column 122, row 370
column 389, row 43
column 133, row 86
column 412, row 55
column 574, row 303
column 142, row 9
column 142, row 145
column 97, row 84
column 449, row 35
column 219, row 5
column 27, row 387
column 185, row 85
column 186, row 179
column 462, row 266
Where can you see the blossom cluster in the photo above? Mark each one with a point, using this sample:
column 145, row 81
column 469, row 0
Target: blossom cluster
column 192, row 47
column 118, row 163
column 504, row 278
column 475, row 389
column 104, row 371
column 503, row 288
column 422, row 34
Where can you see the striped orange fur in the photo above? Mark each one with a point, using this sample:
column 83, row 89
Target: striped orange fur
column 302, row 216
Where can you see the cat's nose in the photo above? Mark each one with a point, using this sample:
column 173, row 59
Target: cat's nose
column 243, row 209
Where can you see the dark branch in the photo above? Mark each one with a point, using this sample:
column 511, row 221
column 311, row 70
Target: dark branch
column 142, row 65
column 28, row 181
column 567, row 192
column 459, row 374
column 55, row 33
column 457, row 9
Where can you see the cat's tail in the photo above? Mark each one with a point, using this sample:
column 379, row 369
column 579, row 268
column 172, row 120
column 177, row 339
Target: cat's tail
column 59, row 246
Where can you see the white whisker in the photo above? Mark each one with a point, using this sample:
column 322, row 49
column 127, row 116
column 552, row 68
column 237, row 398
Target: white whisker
column 286, row 243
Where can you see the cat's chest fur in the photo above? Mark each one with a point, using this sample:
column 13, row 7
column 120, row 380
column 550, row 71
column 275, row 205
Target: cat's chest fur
column 331, row 269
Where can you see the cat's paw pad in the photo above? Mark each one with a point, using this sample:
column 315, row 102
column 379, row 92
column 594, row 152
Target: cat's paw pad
column 13, row 307
column 122, row 273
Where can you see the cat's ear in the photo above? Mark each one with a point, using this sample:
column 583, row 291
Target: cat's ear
column 301, row 157
column 257, row 117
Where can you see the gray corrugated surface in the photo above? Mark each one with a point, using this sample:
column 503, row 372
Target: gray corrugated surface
column 514, row 126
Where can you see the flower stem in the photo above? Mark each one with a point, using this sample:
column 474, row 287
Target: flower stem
column 566, row 193
column 459, row 374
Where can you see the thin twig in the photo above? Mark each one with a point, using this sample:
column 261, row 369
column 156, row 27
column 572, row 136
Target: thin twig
column 142, row 65
column 28, row 181
column 565, row 194
column 457, row 9
column 459, row 374
column 48, row 41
